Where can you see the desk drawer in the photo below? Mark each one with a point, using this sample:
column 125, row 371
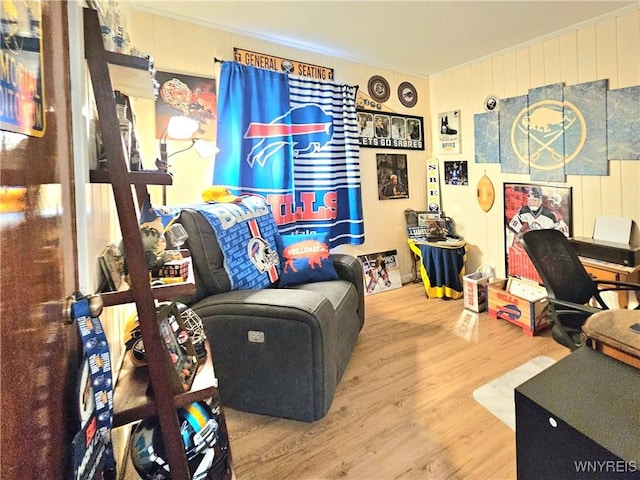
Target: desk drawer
column 601, row 274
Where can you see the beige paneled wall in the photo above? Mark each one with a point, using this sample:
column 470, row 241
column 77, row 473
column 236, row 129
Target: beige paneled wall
column 190, row 49
column 608, row 49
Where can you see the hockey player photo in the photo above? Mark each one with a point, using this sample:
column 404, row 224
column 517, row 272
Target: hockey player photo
column 532, row 207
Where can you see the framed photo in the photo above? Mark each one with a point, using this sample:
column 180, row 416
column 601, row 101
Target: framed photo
column 380, row 271
column 390, row 130
column 392, row 176
column 456, row 173
column 532, row 207
column 112, row 266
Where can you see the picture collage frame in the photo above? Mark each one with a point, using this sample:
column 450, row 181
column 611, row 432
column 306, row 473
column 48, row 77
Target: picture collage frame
column 378, row 129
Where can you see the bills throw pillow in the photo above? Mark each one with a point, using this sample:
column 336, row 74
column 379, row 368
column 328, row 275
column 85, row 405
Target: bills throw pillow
column 246, row 233
column 305, row 259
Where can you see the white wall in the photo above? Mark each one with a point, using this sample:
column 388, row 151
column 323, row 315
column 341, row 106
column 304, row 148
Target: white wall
column 608, row 49
column 190, row 49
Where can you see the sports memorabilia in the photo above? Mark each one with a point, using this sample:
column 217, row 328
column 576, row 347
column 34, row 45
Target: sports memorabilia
column 407, row 94
column 486, row 193
column 379, row 89
column 204, row 443
column 92, row 452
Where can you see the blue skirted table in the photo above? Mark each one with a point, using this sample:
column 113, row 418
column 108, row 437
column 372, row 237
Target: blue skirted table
column 441, row 266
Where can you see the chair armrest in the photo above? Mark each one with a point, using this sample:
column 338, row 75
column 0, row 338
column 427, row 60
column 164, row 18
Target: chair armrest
column 570, row 307
column 349, row 268
column 567, row 319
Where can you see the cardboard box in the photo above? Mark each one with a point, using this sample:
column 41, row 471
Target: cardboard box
column 528, row 315
column 475, row 291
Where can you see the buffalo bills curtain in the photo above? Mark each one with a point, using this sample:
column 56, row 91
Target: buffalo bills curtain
column 293, row 141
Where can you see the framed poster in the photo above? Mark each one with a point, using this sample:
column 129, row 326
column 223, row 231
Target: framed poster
column 186, row 96
column 532, row 207
column 380, row 271
column 449, row 131
column 22, row 104
column 392, row 176
column 390, row 130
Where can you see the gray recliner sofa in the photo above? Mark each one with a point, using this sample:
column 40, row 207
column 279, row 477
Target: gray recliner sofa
column 276, row 351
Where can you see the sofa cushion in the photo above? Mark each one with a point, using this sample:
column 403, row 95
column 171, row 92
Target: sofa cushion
column 211, row 277
column 233, row 245
column 305, row 259
column 342, row 295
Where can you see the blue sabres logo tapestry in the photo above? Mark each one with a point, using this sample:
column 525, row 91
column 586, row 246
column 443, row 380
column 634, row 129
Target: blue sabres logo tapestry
column 293, row 141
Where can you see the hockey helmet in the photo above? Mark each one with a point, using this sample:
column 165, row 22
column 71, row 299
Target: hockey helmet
column 202, row 438
column 534, row 199
column 193, row 323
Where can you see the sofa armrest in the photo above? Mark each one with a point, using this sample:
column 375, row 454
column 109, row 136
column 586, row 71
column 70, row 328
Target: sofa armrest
column 292, row 370
column 349, row 268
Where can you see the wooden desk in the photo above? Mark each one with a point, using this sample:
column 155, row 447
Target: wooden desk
column 612, row 271
column 608, row 332
column 441, row 267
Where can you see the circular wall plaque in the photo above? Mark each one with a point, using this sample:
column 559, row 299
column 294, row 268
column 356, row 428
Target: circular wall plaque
column 486, row 194
column 407, row 94
column 379, row 88
column 491, row 103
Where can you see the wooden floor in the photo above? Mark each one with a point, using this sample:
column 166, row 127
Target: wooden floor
column 404, row 408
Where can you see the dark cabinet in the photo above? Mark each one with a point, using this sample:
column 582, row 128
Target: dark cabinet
column 580, row 418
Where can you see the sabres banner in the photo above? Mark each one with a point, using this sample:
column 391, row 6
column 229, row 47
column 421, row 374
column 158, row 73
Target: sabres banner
column 293, row 141
column 278, row 64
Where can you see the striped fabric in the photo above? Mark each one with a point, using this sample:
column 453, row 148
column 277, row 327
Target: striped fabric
column 300, row 153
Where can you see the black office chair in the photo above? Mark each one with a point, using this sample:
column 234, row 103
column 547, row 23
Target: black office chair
column 569, row 286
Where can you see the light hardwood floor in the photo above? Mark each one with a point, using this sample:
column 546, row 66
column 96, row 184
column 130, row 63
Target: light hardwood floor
column 404, row 408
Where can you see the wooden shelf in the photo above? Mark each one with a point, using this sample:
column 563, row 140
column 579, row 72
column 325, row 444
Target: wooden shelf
column 130, row 75
column 162, row 293
column 135, row 178
column 140, row 392
column 133, row 401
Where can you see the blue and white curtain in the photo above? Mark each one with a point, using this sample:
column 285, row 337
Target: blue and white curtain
column 294, row 141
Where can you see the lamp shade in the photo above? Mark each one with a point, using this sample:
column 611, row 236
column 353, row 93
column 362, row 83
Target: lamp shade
column 181, row 127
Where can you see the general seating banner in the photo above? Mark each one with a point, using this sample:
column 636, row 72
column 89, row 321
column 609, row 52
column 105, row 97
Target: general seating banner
column 279, row 64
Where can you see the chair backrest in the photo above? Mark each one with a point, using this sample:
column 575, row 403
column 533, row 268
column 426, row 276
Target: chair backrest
column 562, row 273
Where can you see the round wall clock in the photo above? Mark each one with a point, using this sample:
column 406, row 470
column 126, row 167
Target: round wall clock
column 407, row 94
column 379, row 88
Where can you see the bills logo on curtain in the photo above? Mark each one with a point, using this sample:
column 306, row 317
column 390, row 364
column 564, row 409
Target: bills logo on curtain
column 293, row 141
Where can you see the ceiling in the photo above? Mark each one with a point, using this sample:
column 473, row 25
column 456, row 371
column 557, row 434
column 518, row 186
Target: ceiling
column 413, row 37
